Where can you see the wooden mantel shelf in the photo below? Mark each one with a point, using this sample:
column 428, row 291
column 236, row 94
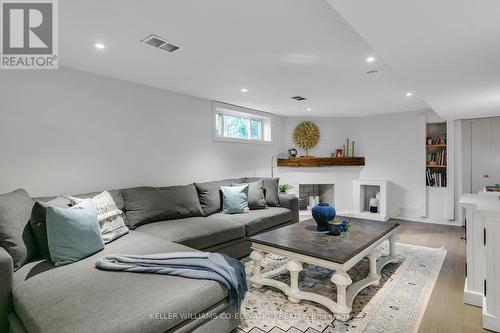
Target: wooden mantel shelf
column 315, row 162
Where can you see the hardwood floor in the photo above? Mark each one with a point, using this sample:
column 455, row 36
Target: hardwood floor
column 446, row 311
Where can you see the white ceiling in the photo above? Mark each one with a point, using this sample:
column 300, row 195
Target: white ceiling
column 276, row 49
column 448, row 49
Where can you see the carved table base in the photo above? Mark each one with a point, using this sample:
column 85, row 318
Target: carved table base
column 346, row 290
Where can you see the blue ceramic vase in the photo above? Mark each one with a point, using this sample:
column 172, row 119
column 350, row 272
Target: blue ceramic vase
column 322, row 214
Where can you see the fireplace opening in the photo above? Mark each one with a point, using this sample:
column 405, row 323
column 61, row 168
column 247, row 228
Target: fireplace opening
column 313, row 194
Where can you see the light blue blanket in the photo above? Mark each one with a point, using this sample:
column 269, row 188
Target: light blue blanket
column 195, row 265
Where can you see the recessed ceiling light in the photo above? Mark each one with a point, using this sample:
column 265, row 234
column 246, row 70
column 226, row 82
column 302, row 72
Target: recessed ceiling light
column 244, row 90
column 409, row 94
column 308, row 109
column 370, row 59
column 100, row 46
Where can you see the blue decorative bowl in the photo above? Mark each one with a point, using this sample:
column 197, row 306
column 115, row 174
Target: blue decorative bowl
column 335, row 228
column 322, row 214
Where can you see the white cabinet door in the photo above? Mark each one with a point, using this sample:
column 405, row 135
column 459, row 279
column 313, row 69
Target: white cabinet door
column 480, row 153
column 485, row 153
column 495, row 152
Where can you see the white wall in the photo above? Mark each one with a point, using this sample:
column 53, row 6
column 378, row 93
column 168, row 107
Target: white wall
column 67, row 131
column 390, row 145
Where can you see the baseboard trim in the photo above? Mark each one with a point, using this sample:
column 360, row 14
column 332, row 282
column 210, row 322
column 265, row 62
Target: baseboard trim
column 490, row 322
column 471, row 297
column 428, row 220
column 367, row 216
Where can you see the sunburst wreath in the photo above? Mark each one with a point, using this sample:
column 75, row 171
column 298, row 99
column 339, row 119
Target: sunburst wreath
column 306, row 135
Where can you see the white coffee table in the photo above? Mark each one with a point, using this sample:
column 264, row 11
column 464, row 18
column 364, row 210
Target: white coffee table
column 300, row 243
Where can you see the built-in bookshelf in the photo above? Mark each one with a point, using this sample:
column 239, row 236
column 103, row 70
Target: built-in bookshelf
column 436, row 157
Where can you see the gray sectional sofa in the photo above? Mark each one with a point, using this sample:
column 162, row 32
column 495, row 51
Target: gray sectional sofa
column 38, row 297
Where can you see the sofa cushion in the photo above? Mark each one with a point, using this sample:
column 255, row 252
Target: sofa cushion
column 257, row 221
column 196, row 232
column 210, row 196
column 152, row 204
column 256, row 197
column 80, row 298
column 15, row 232
column 271, row 189
column 38, row 223
column 31, row 269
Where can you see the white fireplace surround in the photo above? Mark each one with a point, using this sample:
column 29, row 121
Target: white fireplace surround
column 344, row 179
column 341, row 177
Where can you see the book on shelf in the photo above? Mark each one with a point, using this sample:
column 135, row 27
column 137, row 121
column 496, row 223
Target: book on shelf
column 438, row 158
column 436, row 179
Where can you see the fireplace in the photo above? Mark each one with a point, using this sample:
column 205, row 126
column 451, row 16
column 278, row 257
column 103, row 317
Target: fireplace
column 333, row 185
column 338, row 186
column 312, row 194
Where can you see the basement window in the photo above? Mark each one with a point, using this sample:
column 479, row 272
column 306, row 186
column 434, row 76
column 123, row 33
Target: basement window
column 238, row 124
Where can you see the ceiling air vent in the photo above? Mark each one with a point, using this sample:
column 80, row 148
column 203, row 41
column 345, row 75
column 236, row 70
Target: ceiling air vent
column 169, row 47
column 159, row 42
column 298, row 98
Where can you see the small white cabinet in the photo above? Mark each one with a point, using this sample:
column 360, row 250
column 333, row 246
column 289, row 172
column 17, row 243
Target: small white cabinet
column 482, row 283
column 491, row 301
column 474, row 265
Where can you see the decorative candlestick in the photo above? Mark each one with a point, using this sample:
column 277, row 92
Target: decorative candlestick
column 347, row 147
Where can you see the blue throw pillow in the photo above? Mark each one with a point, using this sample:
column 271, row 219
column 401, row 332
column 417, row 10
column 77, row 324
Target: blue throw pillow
column 235, row 199
column 73, row 233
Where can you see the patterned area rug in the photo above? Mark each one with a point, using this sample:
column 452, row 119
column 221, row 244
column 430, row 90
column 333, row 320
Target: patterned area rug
column 396, row 305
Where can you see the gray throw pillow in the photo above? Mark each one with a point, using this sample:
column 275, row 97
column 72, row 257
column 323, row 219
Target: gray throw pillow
column 270, row 187
column 15, row 232
column 73, row 233
column 38, row 223
column 256, row 198
column 235, row 199
column 153, row 204
column 209, row 194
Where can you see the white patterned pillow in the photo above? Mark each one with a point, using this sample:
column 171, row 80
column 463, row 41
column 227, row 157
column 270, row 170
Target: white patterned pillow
column 109, row 216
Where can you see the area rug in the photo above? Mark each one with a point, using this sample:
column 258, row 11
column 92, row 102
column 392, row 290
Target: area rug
column 397, row 304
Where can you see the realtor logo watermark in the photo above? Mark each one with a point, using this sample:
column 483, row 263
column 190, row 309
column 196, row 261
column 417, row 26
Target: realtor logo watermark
column 28, row 34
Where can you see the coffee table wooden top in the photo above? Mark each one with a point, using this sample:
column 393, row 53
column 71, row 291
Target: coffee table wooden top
column 303, row 238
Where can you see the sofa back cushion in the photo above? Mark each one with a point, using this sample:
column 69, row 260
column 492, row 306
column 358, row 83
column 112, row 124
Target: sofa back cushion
column 209, row 194
column 15, row 233
column 152, row 204
column 256, row 195
column 270, row 187
column 116, row 195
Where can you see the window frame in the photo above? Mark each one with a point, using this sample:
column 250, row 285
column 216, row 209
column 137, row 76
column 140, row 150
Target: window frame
column 264, row 118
